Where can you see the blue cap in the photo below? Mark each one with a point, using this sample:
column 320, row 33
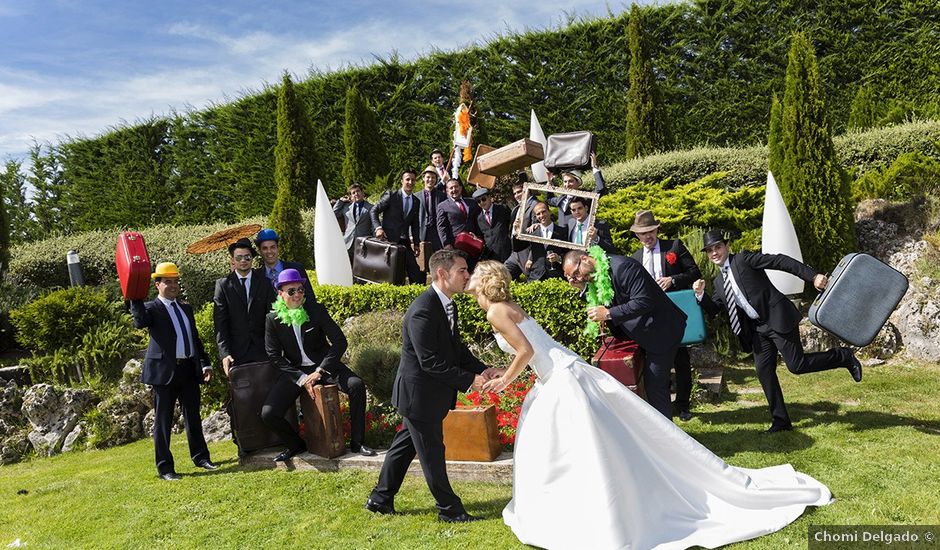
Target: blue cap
column 266, row 234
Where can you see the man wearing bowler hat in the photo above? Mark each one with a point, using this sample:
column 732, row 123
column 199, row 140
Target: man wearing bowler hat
column 672, row 266
column 174, row 365
column 764, row 320
column 304, row 342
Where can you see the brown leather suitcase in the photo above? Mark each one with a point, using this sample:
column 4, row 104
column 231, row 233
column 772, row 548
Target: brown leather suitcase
column 249, row 384
column 509, row 158
column 323, row 425
column 475, row 176
column 133, row 265
column 622, row 359
column 472, row 434
column 569, row 151
column 378, row 261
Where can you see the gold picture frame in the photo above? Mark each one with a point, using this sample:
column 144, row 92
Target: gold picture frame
column 528, row 189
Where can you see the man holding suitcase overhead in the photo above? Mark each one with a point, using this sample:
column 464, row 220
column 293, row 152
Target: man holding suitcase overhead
column 174, row 365
column 764, row 320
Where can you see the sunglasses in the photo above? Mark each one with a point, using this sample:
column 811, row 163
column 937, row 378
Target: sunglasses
column 298, row 290
column 576, row 275
column 242, row 257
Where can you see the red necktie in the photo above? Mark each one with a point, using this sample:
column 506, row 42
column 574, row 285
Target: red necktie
column 462, row 207
column 489, row 221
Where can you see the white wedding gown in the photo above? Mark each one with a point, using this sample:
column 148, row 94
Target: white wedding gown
column 596, row 467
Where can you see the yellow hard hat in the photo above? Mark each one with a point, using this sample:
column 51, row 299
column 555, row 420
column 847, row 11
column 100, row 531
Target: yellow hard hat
column 166, row 270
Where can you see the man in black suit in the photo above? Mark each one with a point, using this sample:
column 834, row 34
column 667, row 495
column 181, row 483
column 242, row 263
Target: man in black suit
column 456, row 214
column 673, row 268
column 400, row 211
column 354, row 211
column 764, row 320
column 518, row 188
column 267, row 243
column 306, row 345
column 571, row 179
column 538, row 261
column 578, row 231
column 432, row 195
column 494, row 223
column 174, row 365
column 435, row 364
column 640, row 311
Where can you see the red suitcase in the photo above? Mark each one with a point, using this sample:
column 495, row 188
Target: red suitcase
column 133, row 265
column 622, row 359
column 469, row 243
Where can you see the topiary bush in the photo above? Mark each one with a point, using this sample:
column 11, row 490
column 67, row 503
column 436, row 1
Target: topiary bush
column 60, row 319
column 12, row 296
column 375, row 349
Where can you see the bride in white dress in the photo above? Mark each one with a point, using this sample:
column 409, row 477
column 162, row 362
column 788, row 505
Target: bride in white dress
column 596, row 467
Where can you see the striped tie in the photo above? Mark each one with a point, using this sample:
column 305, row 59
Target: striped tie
column 730, row 301
column 451, row 315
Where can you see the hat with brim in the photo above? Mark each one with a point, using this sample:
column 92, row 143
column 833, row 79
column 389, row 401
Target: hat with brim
column 429, row 170
column 644, row 221
column 713, row 237
column 166, row 270
column 242, row 243
column 573, row 173
column 266, row 234
column 481, row 192
column 288, row 276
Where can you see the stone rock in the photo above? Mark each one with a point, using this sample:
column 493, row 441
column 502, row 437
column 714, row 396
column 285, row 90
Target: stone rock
column 14, row 443
column 885, row 345
column 11, row 404
column 122, row 415
column 704, row 357
column 75, row 437
column 18, row 374
column 53, row 414
column 217, row 426
column 918, row 320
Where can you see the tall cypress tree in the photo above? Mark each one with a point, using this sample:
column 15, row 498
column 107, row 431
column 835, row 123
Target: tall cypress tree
column 20, row 227
column 4, row 225
column 295, row 156
column 647, row 128
column 774, row 147
column 366, row 160
column 814, row 186
column 862, row 114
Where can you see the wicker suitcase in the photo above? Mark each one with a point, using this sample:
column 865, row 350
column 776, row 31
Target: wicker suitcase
column 249, row 384
column 512, row 157
column 133, row 265
column 622, row 359
column 861, row 295
column 378, row 261
column 323, row 426
column 569, row 151
column 695, row 321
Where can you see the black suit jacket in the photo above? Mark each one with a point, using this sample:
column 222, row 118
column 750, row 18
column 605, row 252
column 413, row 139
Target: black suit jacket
column 324, row 343
column 496, row 234
column 564, row 206
column 435, row 364
column 430, row 198
column 537, row 252
column 451, row 221
column 398, row 227
column 160, row 359
column 684, row 271
column 641, row 310
column 602, row 232
column 772, row 307
column 527, row 215
column 239, row 320
column 354, row 228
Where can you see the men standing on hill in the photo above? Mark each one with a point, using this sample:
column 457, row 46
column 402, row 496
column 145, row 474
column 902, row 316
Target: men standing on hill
column 400, row 211
column 174, row 365
column 266, row 241
column 354, row 210
column 673, row 268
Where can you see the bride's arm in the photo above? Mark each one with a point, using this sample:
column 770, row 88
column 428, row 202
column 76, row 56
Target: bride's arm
column 498, row 317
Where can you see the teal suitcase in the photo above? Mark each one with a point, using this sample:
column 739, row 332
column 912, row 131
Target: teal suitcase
column 695, row 321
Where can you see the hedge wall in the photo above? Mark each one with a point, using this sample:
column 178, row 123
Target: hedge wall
column 718, row 62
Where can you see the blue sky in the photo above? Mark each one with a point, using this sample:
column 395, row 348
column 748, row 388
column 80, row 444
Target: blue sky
column 76, row 68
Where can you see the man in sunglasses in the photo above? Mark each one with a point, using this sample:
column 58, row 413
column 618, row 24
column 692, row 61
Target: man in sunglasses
column 306, row 345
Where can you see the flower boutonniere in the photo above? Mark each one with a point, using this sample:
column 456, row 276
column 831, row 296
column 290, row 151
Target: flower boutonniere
column 671, row 258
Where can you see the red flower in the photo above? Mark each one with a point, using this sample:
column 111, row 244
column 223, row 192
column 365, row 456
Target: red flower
column 671, row 257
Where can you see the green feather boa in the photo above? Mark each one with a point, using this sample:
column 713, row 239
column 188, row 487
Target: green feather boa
column 288, row 316
column 600, row 290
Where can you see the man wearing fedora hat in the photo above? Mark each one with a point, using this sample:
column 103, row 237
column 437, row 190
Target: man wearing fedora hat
column 432, row 195
column 303, row 341
column 673, row 268
column 572, row 179
column 174, row 365
column 764, row 320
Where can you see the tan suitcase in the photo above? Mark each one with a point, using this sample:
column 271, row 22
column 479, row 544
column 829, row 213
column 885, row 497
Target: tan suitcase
column 472, row 434
column 323, row 425
column 512, row 157
column 475, row 176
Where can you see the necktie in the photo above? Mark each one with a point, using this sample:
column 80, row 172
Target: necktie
column 244, row 281
column 649, row 263
column 580, row 238
column 187, row 350
column 451, row 316
column 563, row 205
column 463, row 209
column 271, row 274
column 730, row 301
column 489, row 220
column 357, row 211
column 406, row 204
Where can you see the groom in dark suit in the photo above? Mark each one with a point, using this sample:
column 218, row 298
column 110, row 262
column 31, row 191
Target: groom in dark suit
column 435, row 364
column 640, row 311
column 764, row 320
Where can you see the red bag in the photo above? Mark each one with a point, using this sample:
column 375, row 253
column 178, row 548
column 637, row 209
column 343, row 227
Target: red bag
column 133, row 265
column 469, row 243
column 622, row 359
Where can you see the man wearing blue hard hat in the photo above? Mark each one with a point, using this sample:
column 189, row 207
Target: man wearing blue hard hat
column 267, row 243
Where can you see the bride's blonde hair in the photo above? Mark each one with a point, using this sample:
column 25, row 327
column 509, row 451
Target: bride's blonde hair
column 492, row 280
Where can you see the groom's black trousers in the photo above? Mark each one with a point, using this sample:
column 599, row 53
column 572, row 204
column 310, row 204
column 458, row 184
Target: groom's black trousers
column 426, row 440
column 656, row 374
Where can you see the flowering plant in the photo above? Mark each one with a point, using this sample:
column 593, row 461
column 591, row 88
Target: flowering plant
column 382, row 423
column 508, row 403
column 671, row 257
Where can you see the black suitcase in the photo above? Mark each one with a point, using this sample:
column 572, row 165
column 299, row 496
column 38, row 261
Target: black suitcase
column 861, row 295
column 569, row 151
column 378, row 261
column 250, row 383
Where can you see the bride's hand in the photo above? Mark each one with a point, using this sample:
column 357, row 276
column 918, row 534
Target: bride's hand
column 496, row 385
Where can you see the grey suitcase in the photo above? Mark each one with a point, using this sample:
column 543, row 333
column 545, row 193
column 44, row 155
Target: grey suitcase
column 861, row 295
column 569, row 151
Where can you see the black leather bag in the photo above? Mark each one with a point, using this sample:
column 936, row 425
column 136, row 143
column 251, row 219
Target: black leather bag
column 378, row 261
column 250, row 384
column 569, row 151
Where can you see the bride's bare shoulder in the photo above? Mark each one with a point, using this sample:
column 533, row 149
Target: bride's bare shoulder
column 505, row 310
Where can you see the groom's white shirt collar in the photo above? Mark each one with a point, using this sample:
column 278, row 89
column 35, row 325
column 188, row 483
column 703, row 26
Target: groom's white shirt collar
column 444, row 299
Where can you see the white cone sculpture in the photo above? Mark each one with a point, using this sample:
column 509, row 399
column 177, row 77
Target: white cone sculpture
column 329, row 249
column 537, row 135
column 779, row 237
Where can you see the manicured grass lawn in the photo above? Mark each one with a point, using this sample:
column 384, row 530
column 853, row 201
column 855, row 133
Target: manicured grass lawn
column 875, row 444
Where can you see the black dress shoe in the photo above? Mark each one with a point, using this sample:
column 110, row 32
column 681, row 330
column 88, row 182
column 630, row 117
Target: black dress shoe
column 856, row 369
column 685, row 416
column 377, row 508
column 774, row 429
column 288, row 454
column 208, row 465
column 460, row 518
column 170, row 476
column 362, row 450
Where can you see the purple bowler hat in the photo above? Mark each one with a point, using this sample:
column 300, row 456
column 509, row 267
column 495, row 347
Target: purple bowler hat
column 288, row 276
